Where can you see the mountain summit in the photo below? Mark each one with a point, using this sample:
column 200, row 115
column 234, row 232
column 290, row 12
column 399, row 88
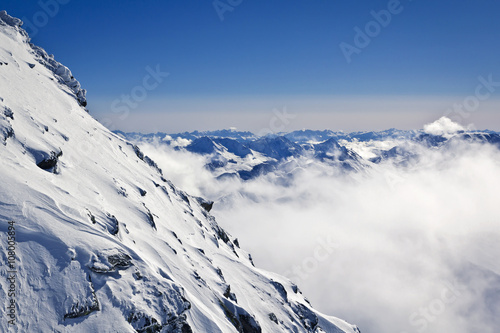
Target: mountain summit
column 103, row 241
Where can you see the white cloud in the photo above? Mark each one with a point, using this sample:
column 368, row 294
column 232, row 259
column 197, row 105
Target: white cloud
column 415, row 249
column 443, row 126
column 179, row 142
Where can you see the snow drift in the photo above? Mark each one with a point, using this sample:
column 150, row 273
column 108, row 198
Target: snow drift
column 410, row 242
column 104, row 242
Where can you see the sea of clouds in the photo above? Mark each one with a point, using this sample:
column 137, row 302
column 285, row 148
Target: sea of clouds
column 392, row 249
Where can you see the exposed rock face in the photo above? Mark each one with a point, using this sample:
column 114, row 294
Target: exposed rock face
column 50, row 162
column 63, row 73
column 105, row 242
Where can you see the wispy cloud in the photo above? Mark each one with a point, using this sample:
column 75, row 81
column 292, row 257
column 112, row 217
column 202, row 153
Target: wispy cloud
column 416, row 255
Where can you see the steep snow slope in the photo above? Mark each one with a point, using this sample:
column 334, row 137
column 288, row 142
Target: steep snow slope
column 104, row 242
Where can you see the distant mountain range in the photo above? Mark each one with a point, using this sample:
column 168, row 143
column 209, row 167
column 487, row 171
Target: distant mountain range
column 246, row 156
column 99, row 240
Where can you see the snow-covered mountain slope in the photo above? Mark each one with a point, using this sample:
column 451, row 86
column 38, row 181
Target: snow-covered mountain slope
column 421, row 221
column 104, row 242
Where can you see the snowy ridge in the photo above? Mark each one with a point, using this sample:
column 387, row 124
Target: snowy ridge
column 63, row 74
column 104, row 242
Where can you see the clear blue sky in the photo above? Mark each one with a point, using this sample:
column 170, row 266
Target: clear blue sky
column 281, row 53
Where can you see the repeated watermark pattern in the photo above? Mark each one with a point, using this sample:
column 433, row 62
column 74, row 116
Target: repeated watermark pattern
column 421, row 319
column 223, row 6
column 127, row 102
column 11, row 274
column 372, row 29
column 123, row 105
column 278, row 122
column 325, row 247
column 459, row 112
column 49, row 9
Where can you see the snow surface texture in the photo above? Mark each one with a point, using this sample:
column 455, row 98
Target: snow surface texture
column 105, row 242
column 409, row 239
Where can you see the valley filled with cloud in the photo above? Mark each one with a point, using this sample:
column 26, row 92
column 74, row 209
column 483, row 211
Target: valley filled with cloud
column 405, row 243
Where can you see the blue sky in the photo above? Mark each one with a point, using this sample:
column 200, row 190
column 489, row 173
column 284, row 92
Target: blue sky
column 267, row 55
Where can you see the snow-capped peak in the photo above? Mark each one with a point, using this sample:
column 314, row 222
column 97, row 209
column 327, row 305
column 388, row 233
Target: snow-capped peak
column 63, row 74
column 105, row 243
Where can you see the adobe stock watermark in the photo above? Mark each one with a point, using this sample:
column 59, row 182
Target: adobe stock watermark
column 373, row 28
column 11, row 271
column 278, row 123
column 325, row 247
column 423, row 318
column 484, row 90
column 49, row 9
column 127, row 102
column 123, row 105
column 394, row 179
column 223, row 6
